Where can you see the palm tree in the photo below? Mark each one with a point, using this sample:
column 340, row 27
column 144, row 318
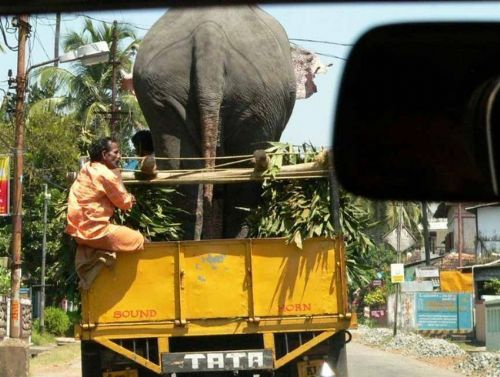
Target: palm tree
column 91, row 87
column 385, row 215
column 85, row 91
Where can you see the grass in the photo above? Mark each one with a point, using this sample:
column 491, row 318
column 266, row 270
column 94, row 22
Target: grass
column 44, row 339
column 56, row 356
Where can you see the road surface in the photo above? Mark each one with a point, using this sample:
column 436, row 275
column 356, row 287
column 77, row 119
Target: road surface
column 365, row 361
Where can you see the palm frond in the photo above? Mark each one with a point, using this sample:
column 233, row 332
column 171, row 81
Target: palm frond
column 62, row 77
column 46, row 105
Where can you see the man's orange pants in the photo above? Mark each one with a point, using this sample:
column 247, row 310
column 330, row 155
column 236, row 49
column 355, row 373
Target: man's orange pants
column 119, row 239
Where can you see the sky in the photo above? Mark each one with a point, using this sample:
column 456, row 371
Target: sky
column 340, row 24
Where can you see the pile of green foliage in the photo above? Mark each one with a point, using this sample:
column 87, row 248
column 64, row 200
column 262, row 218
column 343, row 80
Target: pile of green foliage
column 301, row 209
column 154, row 214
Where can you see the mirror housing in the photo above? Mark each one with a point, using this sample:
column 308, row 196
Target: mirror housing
column 418, row 113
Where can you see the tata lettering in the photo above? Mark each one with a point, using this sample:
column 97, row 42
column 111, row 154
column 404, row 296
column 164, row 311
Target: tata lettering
column 217, row 361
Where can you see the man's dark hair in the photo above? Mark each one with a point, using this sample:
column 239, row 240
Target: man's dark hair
column 143, row 140
column 99, row 146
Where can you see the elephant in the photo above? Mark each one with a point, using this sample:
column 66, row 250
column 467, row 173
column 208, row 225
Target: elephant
column 214, row 81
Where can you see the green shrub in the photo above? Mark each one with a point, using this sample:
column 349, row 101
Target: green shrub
column 36, row 325
column 375, row 297
column 40, row 339
column 56, row 321
column 369, row 322
column 492, row 287
column 74, row 319
column 4, row 281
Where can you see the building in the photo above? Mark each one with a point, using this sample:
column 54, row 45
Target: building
column 487, row 228
column 461, row 233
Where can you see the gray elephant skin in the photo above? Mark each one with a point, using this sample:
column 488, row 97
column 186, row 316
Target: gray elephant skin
column 215, row 81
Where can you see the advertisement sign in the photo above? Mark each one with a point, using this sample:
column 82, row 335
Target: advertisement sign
column 4, row 185
column 427, row 272
column 444, row 311
column 397, row 272
column 417, row 286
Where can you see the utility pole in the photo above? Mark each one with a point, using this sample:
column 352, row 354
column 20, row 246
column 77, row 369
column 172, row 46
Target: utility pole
column 56, row 39
column 46, row 198
column 459, row 235
column 17, row 225
column 114, row 64
column 396, row 298
column 334, row 196
column 426, row 235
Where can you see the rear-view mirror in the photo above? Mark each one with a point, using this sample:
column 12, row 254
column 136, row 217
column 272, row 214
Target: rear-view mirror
column 418, row 113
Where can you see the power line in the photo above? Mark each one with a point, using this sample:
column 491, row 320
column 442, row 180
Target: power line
column 31, row 42
column 324, row 42
column 330, row 55
column 9, row 29
column 39, row 41
column 111, row 22
column 5, row 36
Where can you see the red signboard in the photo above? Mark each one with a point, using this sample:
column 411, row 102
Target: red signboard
column 4, row 185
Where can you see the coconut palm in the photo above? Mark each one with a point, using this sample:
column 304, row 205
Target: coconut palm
column 86, row 90
column 385, row 215
column 91, row 88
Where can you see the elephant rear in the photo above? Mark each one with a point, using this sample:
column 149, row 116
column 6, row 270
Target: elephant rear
column 214, row 81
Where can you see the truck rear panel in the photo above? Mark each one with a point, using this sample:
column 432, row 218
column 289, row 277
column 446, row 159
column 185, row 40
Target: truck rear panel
column 163, row 303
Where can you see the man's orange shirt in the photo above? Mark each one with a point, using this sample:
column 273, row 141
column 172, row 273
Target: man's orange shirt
column 92, row 200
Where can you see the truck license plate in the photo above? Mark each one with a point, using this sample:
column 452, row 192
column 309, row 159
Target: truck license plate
column 310, row 368
column 122, row 373
column 176, row 362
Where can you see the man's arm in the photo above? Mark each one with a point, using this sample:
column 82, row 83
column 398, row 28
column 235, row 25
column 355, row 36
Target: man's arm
column 116, row 192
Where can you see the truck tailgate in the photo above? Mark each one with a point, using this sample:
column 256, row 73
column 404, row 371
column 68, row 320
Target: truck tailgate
column 215, row 279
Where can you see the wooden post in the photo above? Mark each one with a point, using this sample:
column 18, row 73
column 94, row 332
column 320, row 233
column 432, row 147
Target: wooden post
column 17, row 222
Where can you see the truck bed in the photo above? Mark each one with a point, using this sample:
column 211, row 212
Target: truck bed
column 182, row 290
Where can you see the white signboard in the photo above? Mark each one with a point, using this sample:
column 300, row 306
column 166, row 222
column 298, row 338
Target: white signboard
column 417, row 286
column 427, row 272
column 397, row 272
column 406, row 242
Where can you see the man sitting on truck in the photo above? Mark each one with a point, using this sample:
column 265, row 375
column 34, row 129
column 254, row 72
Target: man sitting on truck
column 93, row 197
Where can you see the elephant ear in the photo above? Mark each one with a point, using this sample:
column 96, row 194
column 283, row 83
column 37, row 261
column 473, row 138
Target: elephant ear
column 306, row 65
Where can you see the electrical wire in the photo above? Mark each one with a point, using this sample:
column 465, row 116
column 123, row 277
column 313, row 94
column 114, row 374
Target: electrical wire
column 40, row 42
column 9, row 29
column 5, row 37
column 330, row 56
column 323, row 42
column 31, row 42
column 110, row 22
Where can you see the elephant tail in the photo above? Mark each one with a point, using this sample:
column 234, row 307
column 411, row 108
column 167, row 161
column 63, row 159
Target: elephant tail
column 209, row 55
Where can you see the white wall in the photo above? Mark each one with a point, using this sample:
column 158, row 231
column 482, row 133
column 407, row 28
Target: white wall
column 488, row 224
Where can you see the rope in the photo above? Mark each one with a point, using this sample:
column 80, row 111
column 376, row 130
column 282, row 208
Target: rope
column 245, row 157
column 232, row 178
column 233, row 162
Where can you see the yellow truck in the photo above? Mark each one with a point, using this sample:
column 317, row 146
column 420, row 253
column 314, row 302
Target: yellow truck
column 252, row 307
